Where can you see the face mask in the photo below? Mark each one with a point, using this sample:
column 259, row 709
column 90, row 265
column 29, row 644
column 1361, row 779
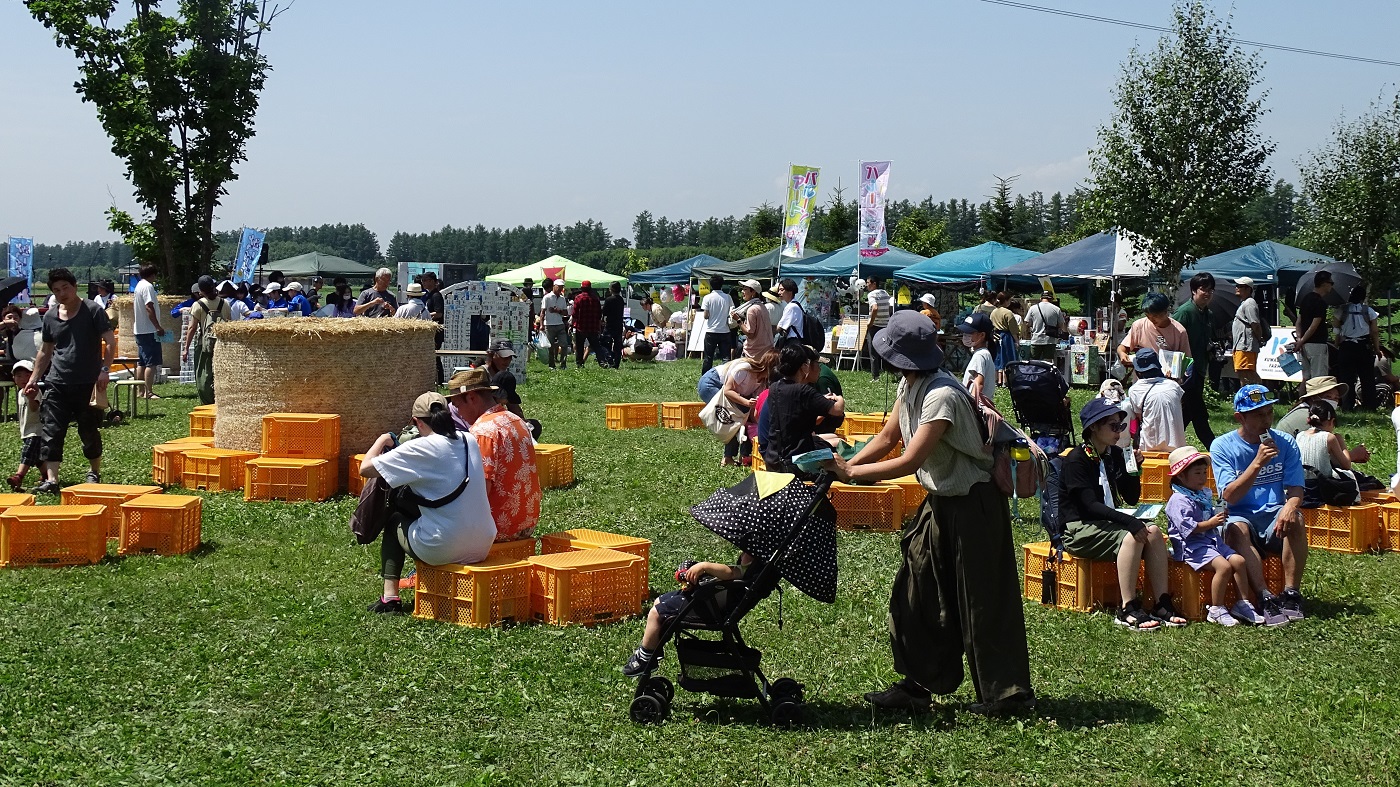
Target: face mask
column 967, row 340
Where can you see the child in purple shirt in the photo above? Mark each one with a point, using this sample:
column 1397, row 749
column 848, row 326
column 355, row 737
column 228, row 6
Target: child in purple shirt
column 1195, row 535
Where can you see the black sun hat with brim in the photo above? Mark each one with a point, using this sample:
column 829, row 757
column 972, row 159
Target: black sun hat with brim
column 909, row 342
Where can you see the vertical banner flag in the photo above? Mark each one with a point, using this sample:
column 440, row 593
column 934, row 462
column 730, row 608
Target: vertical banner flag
column 22, row 265
column 874, row 182
column 801, row 199
column 249, row 249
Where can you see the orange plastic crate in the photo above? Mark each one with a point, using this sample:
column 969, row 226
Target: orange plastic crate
column 205, row 408
column 757, row 464
column 555, row 464
column 202, row 424
column 52, row 536
column 1349, row 529
column 1156, row 482
column 1082, row 584
column 168, row 462
column 214, row 469
column 354, row 482
column 301, row 436
column 518, row 549
column 1190, row 590
column 496, row 590
column 913, row 492
column 582, row 538
column 1377, row 496
column 681, row 415
column 109, row 495
column 878, row 507
column 12, row 499
column 632, row 415
column 588, row 587
column 1389, row 529
column 206, row 441
column 164, row 524
column 269, row 478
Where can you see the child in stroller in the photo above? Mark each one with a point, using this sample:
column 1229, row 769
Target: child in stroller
column 669, row 605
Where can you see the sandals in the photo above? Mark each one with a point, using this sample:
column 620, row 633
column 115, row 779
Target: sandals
column 1135, row 618
column 1167, row 614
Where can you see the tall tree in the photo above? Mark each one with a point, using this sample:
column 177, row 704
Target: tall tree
column 996, row 214
column 1183, row 156
column 1351, row 194
column 177, row 94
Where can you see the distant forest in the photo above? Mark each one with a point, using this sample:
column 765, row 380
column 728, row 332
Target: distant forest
column 928, row 227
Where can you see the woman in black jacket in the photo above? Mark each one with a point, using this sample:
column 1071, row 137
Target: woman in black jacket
column 1094, row 480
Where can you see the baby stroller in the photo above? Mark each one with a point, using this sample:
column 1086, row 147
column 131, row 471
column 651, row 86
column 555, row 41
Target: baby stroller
column 1038, row 392
column 791, row 528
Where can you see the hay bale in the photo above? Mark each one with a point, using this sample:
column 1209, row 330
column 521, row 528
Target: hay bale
column 126, row 336
column 368, row 371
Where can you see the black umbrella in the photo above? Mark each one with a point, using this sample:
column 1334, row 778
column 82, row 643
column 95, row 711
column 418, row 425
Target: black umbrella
column 762, row 526
column 1344, row 277
column 11, row 287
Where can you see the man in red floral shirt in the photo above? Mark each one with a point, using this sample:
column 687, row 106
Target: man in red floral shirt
column 507, row 453
column 588, row 323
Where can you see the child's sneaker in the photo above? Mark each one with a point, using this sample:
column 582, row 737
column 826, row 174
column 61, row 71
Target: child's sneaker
column 641, row 662
column 1246, row 613
column 1220, row 615
column 1291, row 604
column 93, row 478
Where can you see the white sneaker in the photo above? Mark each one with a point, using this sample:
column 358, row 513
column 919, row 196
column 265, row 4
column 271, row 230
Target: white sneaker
column 1246, row 612
column 1220, row 615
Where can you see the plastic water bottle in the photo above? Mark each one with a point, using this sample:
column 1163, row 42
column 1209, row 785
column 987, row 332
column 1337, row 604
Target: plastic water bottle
column 1130, row 459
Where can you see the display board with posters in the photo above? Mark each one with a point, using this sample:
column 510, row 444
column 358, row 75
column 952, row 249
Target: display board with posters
column 1269, row 367
column 509, row 319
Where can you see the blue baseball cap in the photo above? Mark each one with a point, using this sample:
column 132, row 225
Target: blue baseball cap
column 1097, row 410
column 1253, row 397
column 977, row 322
column 1147, row 360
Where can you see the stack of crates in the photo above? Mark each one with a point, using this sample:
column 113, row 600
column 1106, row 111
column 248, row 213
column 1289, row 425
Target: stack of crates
column 631, row 415
column 109, row 497
column 913, row 493
column 518, row 549
column 1080, row 584
column 879, row 507
column 681, row 415
column 300, row 458
column 11, row 499
column 1348, row 529
column 202, row 420
column 301, row 436
column 215, row 469
column 168, row 460
column 555, row 464
column 354, row 482
column 52, row 536
column 587, row 588
column 496, row 590
column 163, row 524
column 582, row 538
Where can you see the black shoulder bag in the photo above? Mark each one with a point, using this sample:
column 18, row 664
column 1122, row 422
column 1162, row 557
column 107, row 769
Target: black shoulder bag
column 409, row 503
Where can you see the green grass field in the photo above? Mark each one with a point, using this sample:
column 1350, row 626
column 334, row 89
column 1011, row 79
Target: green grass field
column 254, row 661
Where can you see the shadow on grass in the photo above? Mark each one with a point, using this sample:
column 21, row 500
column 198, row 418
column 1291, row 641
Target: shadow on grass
column 1074, row 712
column 205, row 549
column 1331, row 610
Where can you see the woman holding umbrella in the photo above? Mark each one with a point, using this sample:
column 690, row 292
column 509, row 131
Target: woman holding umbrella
column 957, row 589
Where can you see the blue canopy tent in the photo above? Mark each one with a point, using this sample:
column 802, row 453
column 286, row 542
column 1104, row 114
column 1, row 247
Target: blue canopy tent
column 846, row 261
column 1266, row 262
column 759, row 266
column 675, row 273
column 1106, row 255
column 965, row 266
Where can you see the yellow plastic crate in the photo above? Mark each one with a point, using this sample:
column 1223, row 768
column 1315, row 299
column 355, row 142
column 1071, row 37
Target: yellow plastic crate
column 1389, row 529
column 555, row 464
column 163, row 524
column 582, row 538
column 588, row 587
column 12, row 499
column 301, row 436
column 631, row 415
column 913, row 492
column 859, row 427
column 269, row 478
column 1190, row 590
column 205, row 408
column 168, row 462
column 354, row 482
column 52, row 536
column 517, row 549
column 202, row 424
column 757, row 464
column 214, row 469
column 206, row 441
column 879, row 507
column 1156, row 481
column 496, row 590
column 681, row 415
column 109, row 495
column 1082, row 584
column 1349, row 529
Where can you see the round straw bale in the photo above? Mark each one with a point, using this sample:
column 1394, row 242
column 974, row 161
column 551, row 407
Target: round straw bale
column 368, row 371
column 126, row 335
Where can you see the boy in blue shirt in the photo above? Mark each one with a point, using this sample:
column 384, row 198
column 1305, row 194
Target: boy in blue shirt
column 1260, row 474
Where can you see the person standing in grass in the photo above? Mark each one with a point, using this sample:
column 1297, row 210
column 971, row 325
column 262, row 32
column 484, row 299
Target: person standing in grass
column 207, row 312
column 881, row 306
column 980, row 377
column 27, row 413
column 613, row 308
column 507, row 453
column 554, row 309
column 145, row 325
column 957, row 592
column 1195, row 317
column 1155, row 401
column 753, row 321
column 1247, row 332
column 719, row 340
column 588, row 322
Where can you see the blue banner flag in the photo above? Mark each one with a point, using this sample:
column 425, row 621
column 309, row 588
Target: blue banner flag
column 22, row 264
column 249, row 249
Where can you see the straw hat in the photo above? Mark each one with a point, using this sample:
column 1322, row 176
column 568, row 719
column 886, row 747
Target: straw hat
column 414, row 288
column 469, row 380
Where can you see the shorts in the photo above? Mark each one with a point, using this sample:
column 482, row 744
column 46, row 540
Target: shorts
column 1262, row 529
column 668, row 606
column 1094, row 540
column 1246, row 360
column 148, row 350
column 1315, row 360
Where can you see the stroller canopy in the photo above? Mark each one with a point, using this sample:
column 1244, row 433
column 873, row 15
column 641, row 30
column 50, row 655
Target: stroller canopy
column 762, row 524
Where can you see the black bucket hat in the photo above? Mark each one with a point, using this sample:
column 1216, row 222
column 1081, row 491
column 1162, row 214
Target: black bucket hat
column 909, row 342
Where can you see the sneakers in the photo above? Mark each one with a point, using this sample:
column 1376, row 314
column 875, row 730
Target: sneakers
column 1273, row 612
column 93, row 478
column 1221, row 615
column 47, row 488
column 1246, row 613
column 903, row 694
column 641, row 662
column 1291, row 604
column 390, row 606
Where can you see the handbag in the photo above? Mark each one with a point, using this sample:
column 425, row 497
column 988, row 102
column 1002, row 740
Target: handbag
column 721, row 418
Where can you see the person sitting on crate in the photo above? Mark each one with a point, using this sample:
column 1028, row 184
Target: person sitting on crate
column 1096, row 530
column 667, row 605
column 439, row 510
column 507, row 453
column 1259, row 472
column 1155, row 401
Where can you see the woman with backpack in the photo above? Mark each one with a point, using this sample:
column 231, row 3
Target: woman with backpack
column 957, row 591
column 206, row 312
column 1358, row 345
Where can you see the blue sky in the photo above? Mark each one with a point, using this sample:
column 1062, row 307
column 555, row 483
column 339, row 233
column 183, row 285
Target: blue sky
column 415, row 114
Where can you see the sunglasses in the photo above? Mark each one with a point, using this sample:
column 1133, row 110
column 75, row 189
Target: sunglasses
column 1256, row 397
column 1118, row 426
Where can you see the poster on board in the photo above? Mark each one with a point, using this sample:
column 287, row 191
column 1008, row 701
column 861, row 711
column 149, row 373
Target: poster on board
column 1269, row 367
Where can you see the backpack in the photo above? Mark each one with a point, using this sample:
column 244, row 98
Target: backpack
column 207, row 322
column 813, row 332
column 1050, row 505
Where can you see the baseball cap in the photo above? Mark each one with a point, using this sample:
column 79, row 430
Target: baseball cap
column 294, row 286
column 1253, row 397
column 422, row 406
column 1096, row 410
column 273, row 287
column 1244, row 281
column 752, row 284
column 27, row 366
column 585, row 284
column 503, row 348
column 977, row 322
column 1182, row 458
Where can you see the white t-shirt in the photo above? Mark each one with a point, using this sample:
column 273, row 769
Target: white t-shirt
column 791, row 323
column 879, row 301
column 982, row 364
column 717, row 306
column 144, row 293
column 238, row 309
column 1356, row 321
column 461, row 531
column 413, row 310
column 1156, row 403
column 552, row 301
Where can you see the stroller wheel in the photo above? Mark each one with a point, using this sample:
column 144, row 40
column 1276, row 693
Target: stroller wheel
column 786, row 688
column 787, row 714
column 661, row 687
column 649, row 709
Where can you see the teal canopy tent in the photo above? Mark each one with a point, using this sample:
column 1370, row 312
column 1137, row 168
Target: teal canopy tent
column 846, row 261
column 1266, row 262
column 676, row 272
column 965, row 266
column 317, row 264
column 759, row 266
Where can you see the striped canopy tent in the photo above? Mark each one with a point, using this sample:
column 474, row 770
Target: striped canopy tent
column 574, row 273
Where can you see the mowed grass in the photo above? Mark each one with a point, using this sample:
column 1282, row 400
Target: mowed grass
column 254, row 661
